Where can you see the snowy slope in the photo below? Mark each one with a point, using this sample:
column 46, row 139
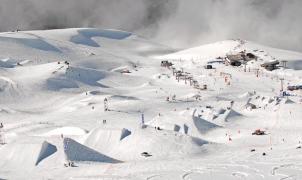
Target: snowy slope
column 53, row 85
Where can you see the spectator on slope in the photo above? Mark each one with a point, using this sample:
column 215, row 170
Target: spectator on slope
column 174, row 97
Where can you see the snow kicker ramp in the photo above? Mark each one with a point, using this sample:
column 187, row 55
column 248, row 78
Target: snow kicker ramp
column 202, row 125
column 73, row 76
column 106, row 140
column 27, row 155
column 77, row 152
column 230, row 115
column 120, row 144
column 8, row 86
column 188, row 123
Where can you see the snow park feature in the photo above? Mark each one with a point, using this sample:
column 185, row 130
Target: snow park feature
column 87, row 103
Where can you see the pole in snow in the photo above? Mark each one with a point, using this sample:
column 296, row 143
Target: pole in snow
column 244, row 67
column 65, row 146
column 106, row 105
column 282, row 83
column 2, row 140
column 143, row 121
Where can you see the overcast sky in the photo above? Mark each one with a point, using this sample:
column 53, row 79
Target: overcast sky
column 178, row 23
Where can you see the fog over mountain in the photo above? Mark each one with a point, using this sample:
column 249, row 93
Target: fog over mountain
column 176, row 23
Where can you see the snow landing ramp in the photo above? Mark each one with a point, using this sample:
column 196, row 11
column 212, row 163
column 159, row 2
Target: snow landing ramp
column 187, row 122
column 27, row 155
column 230, row 115
column 121, row 144
column 77, row 152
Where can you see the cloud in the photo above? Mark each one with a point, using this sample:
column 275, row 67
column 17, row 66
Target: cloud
column 179, row 23
column 273, row 22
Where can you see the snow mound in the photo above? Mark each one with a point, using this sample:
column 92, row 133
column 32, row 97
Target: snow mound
column 30, row 42
column 246, row 95
column 5, row 64
column 111, row 138
column 231, row 114
column 11, row 63
column 56, row 84
column 8, row 87
column 77, row 152
column 66, row 131
column 72, row 77
column 160, row 144
column 189, row 123
column 85, row 36
column 214, row 50
column 6, row 83
column 27, row 155
column 86, row 76
column 202, row 125
column 123, row 98
column 288, row 101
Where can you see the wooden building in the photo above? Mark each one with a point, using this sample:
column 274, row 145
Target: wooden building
column 270, row 66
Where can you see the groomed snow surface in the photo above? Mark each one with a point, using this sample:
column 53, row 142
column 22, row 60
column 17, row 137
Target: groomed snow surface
column 52, row 90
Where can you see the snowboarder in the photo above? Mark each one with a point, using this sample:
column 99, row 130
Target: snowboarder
column 1, row 126
column 104, row 121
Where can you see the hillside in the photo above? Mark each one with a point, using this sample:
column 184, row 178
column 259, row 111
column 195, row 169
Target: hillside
column 53, row 86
